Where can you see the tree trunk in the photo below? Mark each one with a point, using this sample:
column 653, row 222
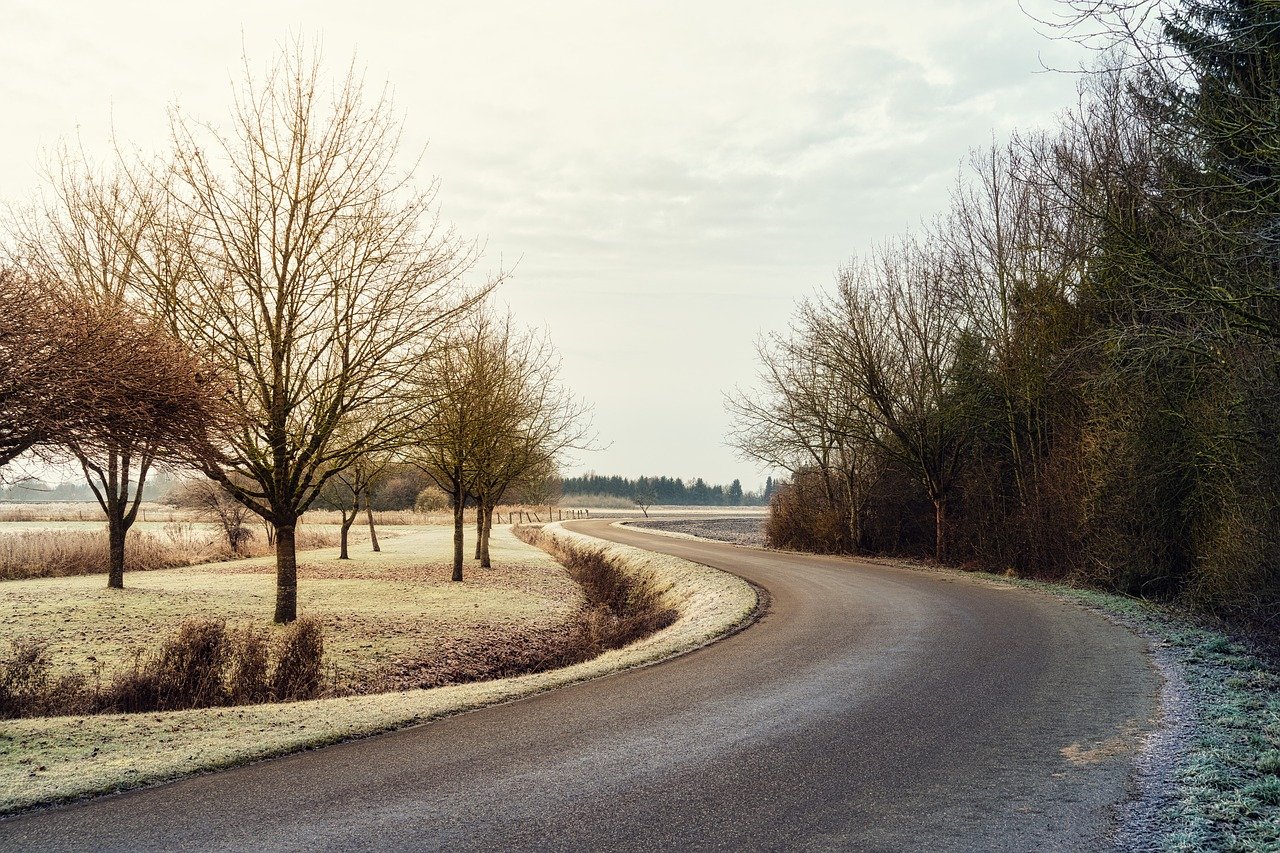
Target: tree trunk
column 940, row 529
column 486, row 514
column 458, row 524
column 480, row 531
column 115, row 538
column 286, row 574
column 368, row 511
column 347, row 521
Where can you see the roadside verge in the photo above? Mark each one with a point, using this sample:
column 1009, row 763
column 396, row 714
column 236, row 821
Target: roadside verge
column 1209, row 776
column 51, row 760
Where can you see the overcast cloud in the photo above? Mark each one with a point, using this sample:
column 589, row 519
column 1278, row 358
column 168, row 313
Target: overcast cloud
column 671, row 176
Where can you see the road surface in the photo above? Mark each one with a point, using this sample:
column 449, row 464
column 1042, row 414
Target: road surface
column 871, row 708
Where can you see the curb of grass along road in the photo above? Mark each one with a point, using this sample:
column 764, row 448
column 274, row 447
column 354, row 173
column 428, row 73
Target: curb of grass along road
column 1208, row 777
column 45, row 761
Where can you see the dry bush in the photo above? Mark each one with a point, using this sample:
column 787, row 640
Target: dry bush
column 299, row 665
column 202, row 665
column 621, row 606
column 431, row 499
column 29, row 689
column 184, row 672
column 45, row 554
column 249, row 666
column 802, row 518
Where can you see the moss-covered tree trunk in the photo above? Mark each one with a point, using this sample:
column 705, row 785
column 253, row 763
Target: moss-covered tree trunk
column 373, row 532
column 459, row 500
column 286, row 573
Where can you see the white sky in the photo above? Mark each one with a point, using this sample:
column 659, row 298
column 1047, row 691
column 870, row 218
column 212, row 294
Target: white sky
column 672, row 176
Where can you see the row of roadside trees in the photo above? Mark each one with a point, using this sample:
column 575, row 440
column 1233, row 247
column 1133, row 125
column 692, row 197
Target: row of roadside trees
column 1075, row 370
column 275, row 304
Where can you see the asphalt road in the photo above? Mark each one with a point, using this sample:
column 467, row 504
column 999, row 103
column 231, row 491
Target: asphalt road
column 871, row 708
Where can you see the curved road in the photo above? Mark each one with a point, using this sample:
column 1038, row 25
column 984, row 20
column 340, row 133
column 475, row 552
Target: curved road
column 871, row 708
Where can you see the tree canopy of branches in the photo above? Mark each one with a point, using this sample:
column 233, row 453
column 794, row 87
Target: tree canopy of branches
column 493, row 414
column 153, row 400
column 313, row 275
column 1078, row 364
column 48, row 384
column 535, row 421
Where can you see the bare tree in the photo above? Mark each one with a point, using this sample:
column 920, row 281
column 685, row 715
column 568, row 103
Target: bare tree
column 209, row 501
column 348, row 492
column 646, row 495
column 532, row 420
column 451, row 426
column 891, row 332
column 152, row 400
column 48, row 377
column 806, row 417
column 315, row 277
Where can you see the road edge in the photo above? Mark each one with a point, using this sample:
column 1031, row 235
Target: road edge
column 705, row 619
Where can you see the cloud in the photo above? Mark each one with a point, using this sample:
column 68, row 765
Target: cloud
column 672, row 176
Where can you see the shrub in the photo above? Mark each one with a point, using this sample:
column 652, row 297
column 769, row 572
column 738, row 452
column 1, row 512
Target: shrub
column 27, row 688
column 47, row 554
column 299, row 669
column 431, row 499
column 248, row 666
column 802, row 518
column 202, row 665
column 621, row 606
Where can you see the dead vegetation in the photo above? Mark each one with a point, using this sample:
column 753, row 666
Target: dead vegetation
column 204, row 664
column 50, row 554
column 619, row 608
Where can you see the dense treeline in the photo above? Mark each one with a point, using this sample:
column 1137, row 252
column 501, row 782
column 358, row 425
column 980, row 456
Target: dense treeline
column 665, row 490
column 1073, row 372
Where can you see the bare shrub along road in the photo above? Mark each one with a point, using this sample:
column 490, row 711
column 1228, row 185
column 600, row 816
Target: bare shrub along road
column 870, row 708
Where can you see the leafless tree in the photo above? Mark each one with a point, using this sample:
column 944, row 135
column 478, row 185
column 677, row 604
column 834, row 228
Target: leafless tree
column 532, row 420
column 452, row 419
column 646, row 496
column 805, row 417
column 47, row 359
column 315, row 277
column 347, row 492
column 209, row 501
column 890, row 331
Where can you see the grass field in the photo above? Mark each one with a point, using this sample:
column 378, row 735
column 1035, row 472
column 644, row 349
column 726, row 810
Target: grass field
column 47, row 759
column 377, row 609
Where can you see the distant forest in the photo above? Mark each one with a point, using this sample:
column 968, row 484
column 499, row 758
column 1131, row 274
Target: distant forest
column 666, row 491
column 37, row 491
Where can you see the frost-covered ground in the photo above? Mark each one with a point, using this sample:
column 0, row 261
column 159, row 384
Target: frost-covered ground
column 1210, row 776
column 49, row 759
column 739, row 531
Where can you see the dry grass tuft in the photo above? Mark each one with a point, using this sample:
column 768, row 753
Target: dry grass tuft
column 67, row 553
column 202, row 665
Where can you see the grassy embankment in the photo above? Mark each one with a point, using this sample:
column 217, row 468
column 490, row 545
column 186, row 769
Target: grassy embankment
column 374, row 609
